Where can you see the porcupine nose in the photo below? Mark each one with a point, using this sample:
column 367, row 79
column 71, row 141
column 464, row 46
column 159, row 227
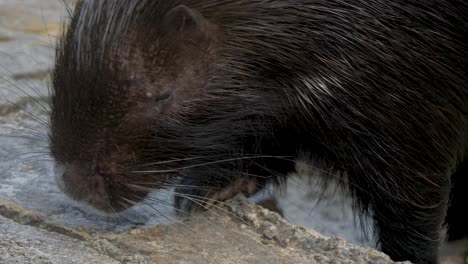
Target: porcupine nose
column 78, row 179
column 84, row 182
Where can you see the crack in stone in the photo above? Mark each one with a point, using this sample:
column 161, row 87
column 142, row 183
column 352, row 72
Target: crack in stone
column 24, row 217
column 101, row 245
column 5, row 38
column 36, row 75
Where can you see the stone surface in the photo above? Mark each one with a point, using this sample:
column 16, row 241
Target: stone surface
column 28, row 244
column 237, row 232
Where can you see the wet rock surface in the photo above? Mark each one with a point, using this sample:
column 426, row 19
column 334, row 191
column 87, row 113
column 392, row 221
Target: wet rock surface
column 38, row 224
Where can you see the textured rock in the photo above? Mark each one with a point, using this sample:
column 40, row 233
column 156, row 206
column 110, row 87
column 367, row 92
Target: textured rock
column 25, row 244
column 236, row 232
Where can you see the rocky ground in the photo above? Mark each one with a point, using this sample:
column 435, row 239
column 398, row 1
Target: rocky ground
column 240, row 232
column 38, row 224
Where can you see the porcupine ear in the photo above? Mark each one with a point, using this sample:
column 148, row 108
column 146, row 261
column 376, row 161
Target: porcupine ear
column 188, row 23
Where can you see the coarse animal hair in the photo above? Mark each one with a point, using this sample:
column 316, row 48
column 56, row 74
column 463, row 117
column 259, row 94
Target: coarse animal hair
column 208, row 96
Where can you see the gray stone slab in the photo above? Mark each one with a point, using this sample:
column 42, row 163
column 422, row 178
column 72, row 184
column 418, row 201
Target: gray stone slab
column 238, row 232
column 23, row 244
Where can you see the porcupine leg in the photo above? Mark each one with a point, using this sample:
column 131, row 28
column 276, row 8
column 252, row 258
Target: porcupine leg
column 408, row 218
column 207, row 190
column 457, row 217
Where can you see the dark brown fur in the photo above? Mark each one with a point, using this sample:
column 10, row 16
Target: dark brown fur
column 201, row 95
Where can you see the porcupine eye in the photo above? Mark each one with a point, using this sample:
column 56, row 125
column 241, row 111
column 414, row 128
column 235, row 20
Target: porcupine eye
column 164, row 97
